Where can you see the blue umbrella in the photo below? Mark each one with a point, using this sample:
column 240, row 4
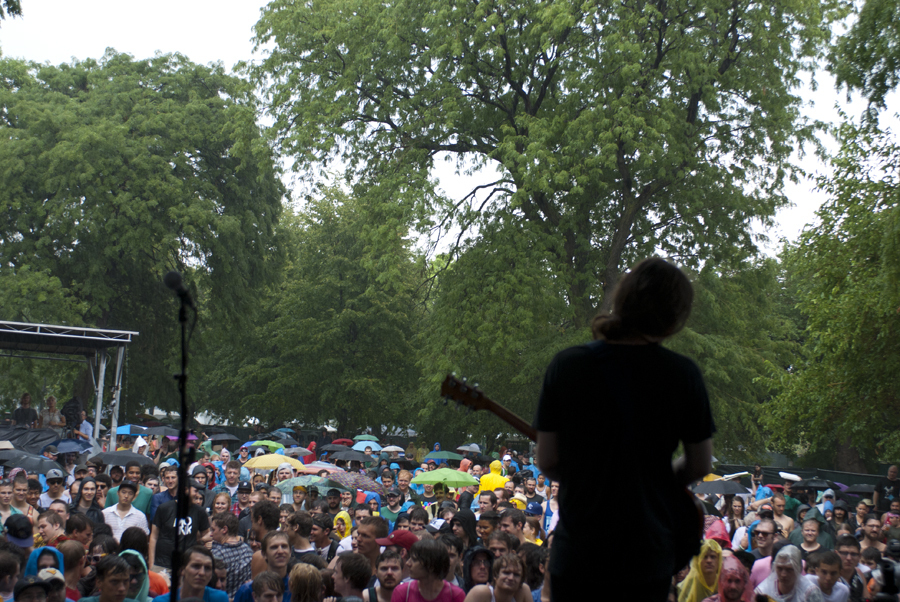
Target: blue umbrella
column 67, row 446
column 130, row 429
column 362, row 445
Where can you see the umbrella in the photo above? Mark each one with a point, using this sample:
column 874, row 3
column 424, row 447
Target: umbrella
column 317, row 466
column 289, row 442
column 121, row 458
column 448, row 476
column 815, row 483
column 469, row 448
column 270, row 445
column 32, row 463
column 272, row 461
column 297, row 451
column 304, row 481
column 162, row 431
column 342, row 442
column 223, row 437
column 392, row 448
column 351, row 456
column 354, row 480
column 190, row 437
column 443, row 455
column 129, row 429
column 365, row 438
column 68, row 446
column 362, row 445
column 860, row 488
column 331, row 447
column 720, row 487
column 279, row 435
column 285, row 430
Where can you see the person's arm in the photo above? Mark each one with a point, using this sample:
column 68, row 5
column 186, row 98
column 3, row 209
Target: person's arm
column 695, row 464
column 479, row 593
column 62, row 421
column 154, row 537
column 548, row 454
column 875, row 498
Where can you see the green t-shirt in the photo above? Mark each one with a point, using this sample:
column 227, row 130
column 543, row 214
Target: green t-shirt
column 141, row 500
column 790, row 506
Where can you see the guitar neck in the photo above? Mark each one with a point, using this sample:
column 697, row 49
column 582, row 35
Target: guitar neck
column 512, row 420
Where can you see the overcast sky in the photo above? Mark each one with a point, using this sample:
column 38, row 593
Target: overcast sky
column 57, row 31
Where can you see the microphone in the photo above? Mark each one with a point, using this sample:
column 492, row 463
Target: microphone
column 173, row 281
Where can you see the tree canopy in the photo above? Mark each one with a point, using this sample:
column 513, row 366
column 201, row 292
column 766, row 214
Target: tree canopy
column 616, row 129
column 844, row 387
column 116, row 171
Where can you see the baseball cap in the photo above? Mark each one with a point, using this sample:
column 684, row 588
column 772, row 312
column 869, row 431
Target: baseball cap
column 333, row 493
column 51, row 574
column 435, row 525
column 51, row 449
column 55, row 473
column 507, row 457
column 533, row 509
column 81, row 467
column 399, row 537
column 128, row 485
column 395, row 491
column 245, row 485
column 30, row 581
column 19, row 531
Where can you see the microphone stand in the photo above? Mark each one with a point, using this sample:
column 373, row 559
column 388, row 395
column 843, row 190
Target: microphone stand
column 182, row 498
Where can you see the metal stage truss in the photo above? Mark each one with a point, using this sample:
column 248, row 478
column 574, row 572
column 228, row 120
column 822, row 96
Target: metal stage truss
column 94, row 345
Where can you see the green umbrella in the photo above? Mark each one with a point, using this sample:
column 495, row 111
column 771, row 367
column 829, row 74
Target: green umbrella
column 272, row 445
column 447, row 476
column 443, row 455
column 365, row 438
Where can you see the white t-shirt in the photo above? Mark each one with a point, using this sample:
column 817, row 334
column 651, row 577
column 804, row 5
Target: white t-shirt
column 45, row 500
column 839, row 593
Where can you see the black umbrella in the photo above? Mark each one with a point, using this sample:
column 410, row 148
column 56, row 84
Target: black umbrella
column 32, row 463
column 121, row 458
column 720, row 487
column 860, row 488
column 223, row 437
column 815, row 483
column 350, row 456
column 333, row 447
column 162, row 431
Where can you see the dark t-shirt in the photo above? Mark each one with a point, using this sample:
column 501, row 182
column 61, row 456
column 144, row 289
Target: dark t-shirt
column 625, row 407
column 887, row 490
column 164, row 520
column 25, row 416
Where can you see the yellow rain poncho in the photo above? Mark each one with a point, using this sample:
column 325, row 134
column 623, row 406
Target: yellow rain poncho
column 347, row 526
column 695, row 588
column 493, row 480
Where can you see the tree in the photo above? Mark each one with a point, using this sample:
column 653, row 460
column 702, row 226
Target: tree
column 843, row 391
column 117, row 171
column 12, row 8
column 617, row 129
column 867, row 57
column 335, row 339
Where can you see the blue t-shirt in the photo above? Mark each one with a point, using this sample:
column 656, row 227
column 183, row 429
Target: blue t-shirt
column 209, row 595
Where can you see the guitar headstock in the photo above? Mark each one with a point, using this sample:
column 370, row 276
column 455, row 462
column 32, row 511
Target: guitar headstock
column 464, row 393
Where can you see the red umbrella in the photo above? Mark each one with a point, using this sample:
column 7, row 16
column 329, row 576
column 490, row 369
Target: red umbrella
column 343, row 441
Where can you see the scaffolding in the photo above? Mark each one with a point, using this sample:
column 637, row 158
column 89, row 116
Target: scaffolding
column 93, row 345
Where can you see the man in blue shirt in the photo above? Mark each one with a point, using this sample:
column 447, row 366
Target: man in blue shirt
column 198, row 570
column 169, row 476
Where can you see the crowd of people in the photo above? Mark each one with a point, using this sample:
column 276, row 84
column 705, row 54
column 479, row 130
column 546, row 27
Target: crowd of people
column 108, row 532
column 781, row 543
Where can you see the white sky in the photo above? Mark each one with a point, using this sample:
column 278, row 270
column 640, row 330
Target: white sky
column 206, row 31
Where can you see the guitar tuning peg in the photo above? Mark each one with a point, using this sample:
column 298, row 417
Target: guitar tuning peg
column 475, row 385
column 453, row 374
column 465, row 379
column 446, row 399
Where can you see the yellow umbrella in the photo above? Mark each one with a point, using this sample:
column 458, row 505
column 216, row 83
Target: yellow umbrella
column 272, row 461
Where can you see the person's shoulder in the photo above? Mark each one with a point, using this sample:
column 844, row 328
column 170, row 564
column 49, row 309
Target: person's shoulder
column 479, row 592
column 214, row 595
column 161, row 598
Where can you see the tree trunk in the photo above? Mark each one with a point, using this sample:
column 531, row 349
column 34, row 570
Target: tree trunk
column 847, row 458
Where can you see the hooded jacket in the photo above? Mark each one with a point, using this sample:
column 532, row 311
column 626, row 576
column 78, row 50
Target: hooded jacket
column 466, row 519
column 31, row 567
column 143, row 594
column 468, row 557
column 95, row 511
column 493, row 480
column 374, row 496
